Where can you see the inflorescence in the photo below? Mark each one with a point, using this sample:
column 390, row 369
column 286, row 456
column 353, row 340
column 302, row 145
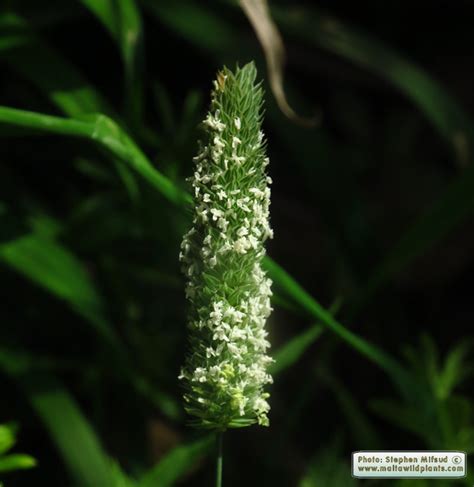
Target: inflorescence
column 228, row 291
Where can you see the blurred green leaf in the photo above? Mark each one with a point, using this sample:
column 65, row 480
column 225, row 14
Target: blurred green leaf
column 363, row 431
column 289, row 353
column 443, row 376
column 54, row 268
column 167, row 404
column 70, row 431
column 176, row 463
column 419, row 422
column 17, row 461
column 432, row 412
column 454, row 370
column 328, row 469
column 460, row 413
column 121, row 479
column 7, row 438
column 11, row 225
column 123, row 21
column 102, row 130
column 376, row 355
column 62, row 83
column 194, row 21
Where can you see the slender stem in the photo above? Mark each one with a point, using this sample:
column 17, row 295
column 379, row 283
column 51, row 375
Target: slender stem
column 219, row 459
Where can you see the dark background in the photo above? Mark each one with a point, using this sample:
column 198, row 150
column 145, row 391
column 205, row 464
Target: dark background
column 371, row 210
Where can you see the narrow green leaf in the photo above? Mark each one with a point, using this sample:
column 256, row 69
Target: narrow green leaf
column 454, row 370
column 17, row 461
column 74, row 437
column 293, row 289
column 62, row 83
column 167, row 404
column 178, row 462
column 329, row 468
column 105, row 132
column 289, row 353
column 69, row 429
column 54, row 268
column 408, row 418
column 7, row 438
column 364, row 434
column 195, row 22
column 121, row 479
column 123, row 22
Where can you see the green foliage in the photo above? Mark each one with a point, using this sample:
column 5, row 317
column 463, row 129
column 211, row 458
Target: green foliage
column 123, row 21
column 98, row 133
column 26, row 53
column 12, row 461
column 103, row 131
column 329, row 469
column 439, row 413
column 48, row 264
column 176, row 463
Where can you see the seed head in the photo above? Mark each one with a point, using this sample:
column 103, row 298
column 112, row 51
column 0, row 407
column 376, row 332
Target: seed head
column 224, row 374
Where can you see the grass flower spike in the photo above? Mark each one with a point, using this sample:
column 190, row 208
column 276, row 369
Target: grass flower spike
column 229, row 294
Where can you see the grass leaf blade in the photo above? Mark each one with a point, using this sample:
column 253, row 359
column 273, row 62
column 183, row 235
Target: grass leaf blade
column 176, row 463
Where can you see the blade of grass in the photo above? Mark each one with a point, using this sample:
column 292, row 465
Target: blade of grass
column 289, row 353
column 54, row 268
column 195, row 22
column 369, row 350
column 123, row 22
column 62, row 83
column 16, row 461
column 72, row 434
column 362, row 429
column 7, row 438
column 179, row 461
column 105, row 132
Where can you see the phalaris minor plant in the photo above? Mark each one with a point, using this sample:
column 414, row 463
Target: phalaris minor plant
column 224, row 373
